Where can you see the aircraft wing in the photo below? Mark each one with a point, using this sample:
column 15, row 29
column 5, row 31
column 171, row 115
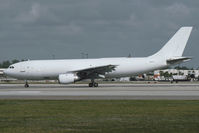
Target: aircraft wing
column 95, row 72
column 176, row 60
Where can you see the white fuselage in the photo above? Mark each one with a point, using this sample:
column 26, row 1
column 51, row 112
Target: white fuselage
column 67, row 71
column 50, row 69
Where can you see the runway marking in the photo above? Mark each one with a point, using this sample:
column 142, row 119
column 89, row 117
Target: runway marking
column 19, row 92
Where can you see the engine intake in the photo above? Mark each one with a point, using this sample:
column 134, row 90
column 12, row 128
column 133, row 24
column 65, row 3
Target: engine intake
column 67, row 78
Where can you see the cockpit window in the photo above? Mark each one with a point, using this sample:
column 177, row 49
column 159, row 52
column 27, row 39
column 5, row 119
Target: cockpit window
column 11, row 67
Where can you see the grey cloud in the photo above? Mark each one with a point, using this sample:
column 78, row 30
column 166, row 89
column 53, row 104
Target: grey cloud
column 37, row 29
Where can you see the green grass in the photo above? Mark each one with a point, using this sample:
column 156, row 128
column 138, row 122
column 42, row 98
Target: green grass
column 100, row 116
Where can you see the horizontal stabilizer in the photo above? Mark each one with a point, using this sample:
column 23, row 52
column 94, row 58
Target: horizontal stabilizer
column 176, row 60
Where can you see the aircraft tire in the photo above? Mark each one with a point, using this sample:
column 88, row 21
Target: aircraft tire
column 95, row 84
column 90, row 84
column 26, row 85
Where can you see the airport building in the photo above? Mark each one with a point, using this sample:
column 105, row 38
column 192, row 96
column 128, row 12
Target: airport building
column 166, row 75
column 175, row 74
column 1, row 72
column 178, row 72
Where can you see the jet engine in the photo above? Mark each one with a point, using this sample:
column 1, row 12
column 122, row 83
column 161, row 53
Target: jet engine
column 67, row 78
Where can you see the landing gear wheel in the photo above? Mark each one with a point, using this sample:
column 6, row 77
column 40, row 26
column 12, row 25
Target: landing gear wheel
column 26, row 85
column 95, row 84
column 90, row 84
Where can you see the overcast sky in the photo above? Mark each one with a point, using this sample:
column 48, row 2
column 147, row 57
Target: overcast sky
column 39, row 29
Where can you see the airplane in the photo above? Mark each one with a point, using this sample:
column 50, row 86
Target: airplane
column 73, row 70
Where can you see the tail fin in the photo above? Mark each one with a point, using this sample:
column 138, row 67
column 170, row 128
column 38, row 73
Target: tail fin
column 175, row 46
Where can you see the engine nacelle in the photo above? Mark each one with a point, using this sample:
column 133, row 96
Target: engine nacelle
column 67, row 78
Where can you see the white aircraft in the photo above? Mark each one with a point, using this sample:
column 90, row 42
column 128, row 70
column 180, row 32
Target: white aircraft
column 73, row 70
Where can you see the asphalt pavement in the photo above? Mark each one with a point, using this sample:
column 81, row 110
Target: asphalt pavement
column 103, row 92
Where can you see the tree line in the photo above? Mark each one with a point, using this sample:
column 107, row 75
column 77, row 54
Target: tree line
column 7, row 63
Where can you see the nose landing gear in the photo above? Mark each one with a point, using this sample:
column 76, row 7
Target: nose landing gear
column 26, row 84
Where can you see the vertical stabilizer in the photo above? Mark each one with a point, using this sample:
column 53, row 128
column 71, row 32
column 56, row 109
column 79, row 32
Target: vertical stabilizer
column 176, row 45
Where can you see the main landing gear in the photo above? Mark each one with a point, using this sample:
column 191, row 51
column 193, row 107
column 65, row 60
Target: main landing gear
column 26, row 84
column 93, row 83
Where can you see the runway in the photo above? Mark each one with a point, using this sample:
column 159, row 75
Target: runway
column 103, row 92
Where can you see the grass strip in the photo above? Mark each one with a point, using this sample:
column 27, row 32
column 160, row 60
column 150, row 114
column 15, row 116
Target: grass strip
column 99, row 116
